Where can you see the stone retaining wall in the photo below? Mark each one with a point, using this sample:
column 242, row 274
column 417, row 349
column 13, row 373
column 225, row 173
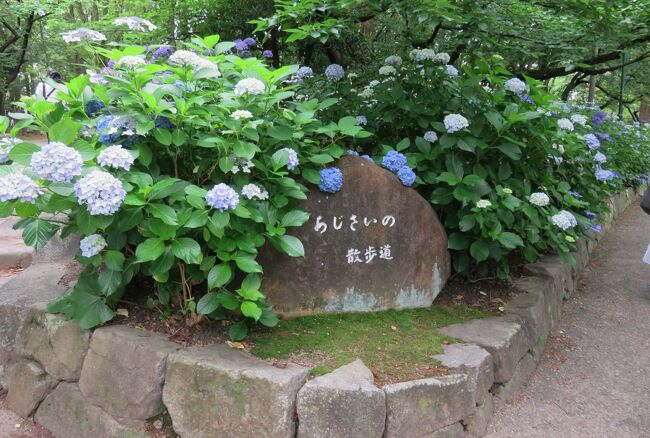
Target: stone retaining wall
column 109, row 382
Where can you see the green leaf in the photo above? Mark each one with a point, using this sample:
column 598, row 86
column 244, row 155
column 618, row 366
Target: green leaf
column 219, row 275
column 321, row 159
column 479, row 250
column 248, row 264
column 280, row 132
column 91, row 311
column 495, row 119
column 187, row 250
column 294, row 218
column 163, row 136
column 510, row 240
column 64, row 131
column 37, row 232
column 109, row 281
column 22, row 153
column 458, row 241
column 404, row 144
column 238, row 331
column 251, row 310
column 163, row 212
column 149, row 250
column 114, row 260
column 511, row 150
column 449, row 178
column 311, row 175
column 207, row 304
column 291, row 245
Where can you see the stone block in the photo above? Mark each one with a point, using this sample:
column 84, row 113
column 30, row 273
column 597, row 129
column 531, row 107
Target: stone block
column 532, row 309
column 344, row 403
column 58, row 250
column 506, row 341
column 28, row 386
column 57, row 344
column 476, row 424
column 124, row 371
column 522, row 373
column 216, row 391
column 554, row 267
column 421, row 407
column 473, row 361
column 452, row 431
column 67, row 414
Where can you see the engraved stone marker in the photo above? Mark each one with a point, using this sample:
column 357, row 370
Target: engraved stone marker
column 374, row 245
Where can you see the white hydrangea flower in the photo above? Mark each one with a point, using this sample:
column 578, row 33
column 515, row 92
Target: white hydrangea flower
column 424, row 54
column 455, row 122
column 516, row 85
column 393, row 60
column 387, row 70
column 242, row 165
column 565, row 124
column 431, row 136
column 131, row 61
column 184, row 57
column 56, row 162
column 442, row 58
column 373, row 83
column 115, row 157
column 558, row 147
column 483, row 203
column 136, row 23
column 16, row 186
column 564, row 220
column 96, row 78
column 6, row 145
column 600, row 158
column 92, row 245
column 82, row 34
column 451, row 70
column 253, row 191
column 539, row 199
column 249, row 86
column 367, row 93
column 579, row 119
column 101, row 192
column 241, row 114
column 206, row 63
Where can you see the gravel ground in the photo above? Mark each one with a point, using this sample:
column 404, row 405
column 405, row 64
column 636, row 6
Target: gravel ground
column 594, row 377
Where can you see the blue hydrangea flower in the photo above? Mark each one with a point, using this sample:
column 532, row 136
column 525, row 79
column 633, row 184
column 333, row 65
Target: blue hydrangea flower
column 604, row 175
column 240, row 45
column 393, row 161
column 592, row 141
column 304, row 72
column 597, row 228
column 56, row 162
column 526, row 99
column 92, row 245
column 599, row 118
column 331, row 180
column 16, row 186
column 431, row 136
column 267, row 54
column 334, row 72
column 351, row 152
column 590, row 214
column 162, row 51
column 362, row 120
column 293, row 158
column 222, row 197
column 516, row 85
column 603, row 136
column 600, row 158
column 163, row 122
column 406, row 175
column 455, row 122
column 101, row 192
column 575, row 194
column 369, row 158
column 250, row 41
column 117, row 129
column 115, row 157
column 451, row 70
column 93, row 107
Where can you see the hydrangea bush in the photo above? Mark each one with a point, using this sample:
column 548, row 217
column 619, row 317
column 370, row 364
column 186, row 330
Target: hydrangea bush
column 508, row 169
column 177, row 167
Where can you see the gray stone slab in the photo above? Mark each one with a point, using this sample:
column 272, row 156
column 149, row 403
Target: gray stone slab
column 473, row 361
column 28, row 386
column 523, row 371
column 531, row 308
column 124, row 371
column 421, row 407
column 216, row 391
column 476, row 424
column 506, row 341
column 452, row 431
column 36, row 284
column 67, row 414
column 555, row 268
column 58, row 250
column 56, row 343
column 342, row 404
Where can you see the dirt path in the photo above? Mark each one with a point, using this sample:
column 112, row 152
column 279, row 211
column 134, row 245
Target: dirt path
column 594, row 378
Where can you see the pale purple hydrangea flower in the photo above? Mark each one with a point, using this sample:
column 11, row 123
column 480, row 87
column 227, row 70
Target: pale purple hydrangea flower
column 455, row 123
column 334, row 72
column 451, row 70
column 293, row 158
column 267, row 54
column 604, row 175
column 516, row 85
column 362, row 120
column 6, row 145
column 253, row 191
column 222, row 197
column 565, row 124
column 331, row 180
column 56, row 162
column 135, row 23
column 431, row 136
column 82, row 34
column 352, row 152
column 600, row 158
column 101, row 192
column 162, row 51
column 16, row 186
column 599, row 118
column 250, row 41
column 115, row 157
column 564, row 220
column 240, row 45
column 304, row 72
column 249, row 86
column 92, row 245
column 592, row 141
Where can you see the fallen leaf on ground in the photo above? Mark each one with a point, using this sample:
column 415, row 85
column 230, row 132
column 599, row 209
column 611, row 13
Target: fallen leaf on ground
column 236, row 345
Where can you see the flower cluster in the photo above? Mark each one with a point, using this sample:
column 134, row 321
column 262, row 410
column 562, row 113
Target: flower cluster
column 539, row 199
column 101, row 192
column 131, row 61
column 455, row 122
column 135, row 23
column 249, row 86
column 387, row 70
column 56, row 162
column 431, row 136
column 599, row 118
column 393, row 161
column 592, row 141
column 293, row 158
column 451, row 70
column 115, row 157
column 114, row 129
column 406, row 175
column 222, row 197
column 242, row 164
column 603, row 136
column 241, row 114
column 267, row 54
column 334, row 72
column 93, row 107
column 393, row 60
column 92, row 245
column 565, row 124
column 163, row 51
column 331, row 180
column 442, row 58
column 16, row 186
column 82, row 34
column 483, row 203
column 604, row 175
column 191, row 59
column 564, row 220
column 6, row 145
column 600, row 158
column 579, row 119
column 361, row 120
column 423, row 54
column 253, row 191
column 516, row 85
column 304, row 72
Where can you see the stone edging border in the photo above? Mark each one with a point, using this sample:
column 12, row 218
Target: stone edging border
column 109, row 382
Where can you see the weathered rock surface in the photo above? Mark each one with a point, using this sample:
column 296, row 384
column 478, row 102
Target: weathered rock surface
column 216, row 391
column 522, row 373
column 124, row 371
column 67, row 414
column 531, row 309
column 342, row 404
column 29, row 383
column 57, row 344
column 421, row 407
column 374, row 245
column 506, row 341
column 471, row 360
column 476, row 424
column 452, row 431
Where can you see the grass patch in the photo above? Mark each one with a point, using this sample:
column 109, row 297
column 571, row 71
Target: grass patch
column 395, row 345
